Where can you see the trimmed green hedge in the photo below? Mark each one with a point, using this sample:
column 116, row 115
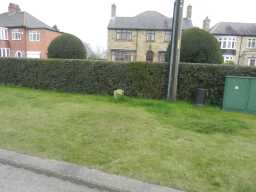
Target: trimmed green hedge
column 137, row 79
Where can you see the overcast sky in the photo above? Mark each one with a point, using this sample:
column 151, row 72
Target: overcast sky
column 88, row 19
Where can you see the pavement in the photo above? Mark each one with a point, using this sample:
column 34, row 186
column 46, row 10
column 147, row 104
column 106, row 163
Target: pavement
column 14, row 179
column 24, row 173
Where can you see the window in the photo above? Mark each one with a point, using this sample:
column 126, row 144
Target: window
column 150, row 36
column 227, row 42
column 251, row 43
column 124, row 35
column 34, row 36
column 252, row 61
column 168, row 36
column 4, row 52
column 228, row 58
column 3, row 33
column 16, row 35
column 161, row 56
column 124, row 55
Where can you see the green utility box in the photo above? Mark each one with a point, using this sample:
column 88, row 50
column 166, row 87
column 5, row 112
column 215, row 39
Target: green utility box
column 240, row 94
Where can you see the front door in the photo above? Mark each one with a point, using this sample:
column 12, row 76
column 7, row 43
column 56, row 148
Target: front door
column 150, row 56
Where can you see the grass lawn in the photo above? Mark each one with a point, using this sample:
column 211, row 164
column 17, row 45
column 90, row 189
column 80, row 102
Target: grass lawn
column 173, row 144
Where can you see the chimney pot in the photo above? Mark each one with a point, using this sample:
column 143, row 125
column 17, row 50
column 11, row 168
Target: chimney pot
column 189, row 12
column 206, row 24
column 13, row 7
column 113, row 11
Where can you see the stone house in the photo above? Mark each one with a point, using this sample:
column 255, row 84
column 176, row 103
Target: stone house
column 237, row 41
column 24, row 36
column 144, row 37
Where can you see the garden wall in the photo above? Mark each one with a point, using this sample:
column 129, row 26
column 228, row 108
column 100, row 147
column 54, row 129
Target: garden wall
column 137, row 79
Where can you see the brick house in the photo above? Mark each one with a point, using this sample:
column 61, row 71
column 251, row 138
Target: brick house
column 24, row 36
column 144, row 37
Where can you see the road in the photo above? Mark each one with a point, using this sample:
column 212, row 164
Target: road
column 19, row 180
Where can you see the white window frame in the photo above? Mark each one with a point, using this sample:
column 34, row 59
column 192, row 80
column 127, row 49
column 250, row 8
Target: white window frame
column 123, row 35
column 150, row 36
column 34, row 54
column 250, row 63
column 3, row 33
column 227, row 42
column 228, row 58
column 5, row 52
column 167, row 36
column 34, row 36
column 251, row 43
column 16, row 35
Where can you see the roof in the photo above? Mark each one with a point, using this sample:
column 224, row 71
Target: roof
column 22, row 19
column 149, row 20
column 236, row 29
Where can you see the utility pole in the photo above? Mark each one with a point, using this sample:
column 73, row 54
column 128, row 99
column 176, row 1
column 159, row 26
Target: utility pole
column 175, row 50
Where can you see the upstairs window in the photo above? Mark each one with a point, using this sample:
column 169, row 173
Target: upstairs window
column 3, row 33
column 34, row 36
column 16, row 35
column 251, row 43
column 227, row 42
column 168, row 36
column 150, row 36
column 124, row 35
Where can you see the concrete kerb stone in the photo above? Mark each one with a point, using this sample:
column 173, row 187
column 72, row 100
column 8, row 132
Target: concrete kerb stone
column 79, row 175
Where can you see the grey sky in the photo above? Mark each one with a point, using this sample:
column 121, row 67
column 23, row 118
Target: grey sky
column 88, row 19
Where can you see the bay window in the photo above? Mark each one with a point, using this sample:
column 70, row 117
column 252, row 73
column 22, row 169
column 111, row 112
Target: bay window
column 4, row 52
column 227, row 42
column 3, row 33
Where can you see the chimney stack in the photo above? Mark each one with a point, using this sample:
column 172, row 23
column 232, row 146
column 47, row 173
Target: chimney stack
column 113, row 11
column 206, row 24
column 189, row 12
column 13, row 7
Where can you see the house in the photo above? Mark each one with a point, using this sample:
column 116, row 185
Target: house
column 24, row 36
column 237, row 41
column 144, row 37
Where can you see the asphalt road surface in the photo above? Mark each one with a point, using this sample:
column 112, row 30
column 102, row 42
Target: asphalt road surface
column 19, row 180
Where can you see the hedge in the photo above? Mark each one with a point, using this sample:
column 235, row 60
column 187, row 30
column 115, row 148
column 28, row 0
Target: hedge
column 137, row 79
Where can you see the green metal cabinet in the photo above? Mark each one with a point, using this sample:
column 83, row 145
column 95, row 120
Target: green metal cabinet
column 240, row 94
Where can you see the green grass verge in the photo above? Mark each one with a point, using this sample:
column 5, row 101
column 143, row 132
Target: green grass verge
column 172, row 144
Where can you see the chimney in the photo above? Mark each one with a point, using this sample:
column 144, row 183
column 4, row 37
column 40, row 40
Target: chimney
column 206, row 24
column 113, row 11
column 189, row 12
column 13, row 7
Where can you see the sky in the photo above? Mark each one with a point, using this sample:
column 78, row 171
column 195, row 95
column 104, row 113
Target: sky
column 88, row 19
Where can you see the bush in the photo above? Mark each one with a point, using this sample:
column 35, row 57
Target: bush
column 198, row 46
column 136, row 79
column 67, row 46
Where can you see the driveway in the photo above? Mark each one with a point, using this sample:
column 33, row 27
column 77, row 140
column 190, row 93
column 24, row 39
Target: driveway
column 20, row 180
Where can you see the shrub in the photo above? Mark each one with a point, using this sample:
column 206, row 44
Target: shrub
column 67, row 46
column 198, row 46
column 136, row 79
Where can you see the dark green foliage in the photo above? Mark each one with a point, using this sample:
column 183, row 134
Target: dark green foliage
column 136, row 79
column 67, row 46
column 199, row 46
